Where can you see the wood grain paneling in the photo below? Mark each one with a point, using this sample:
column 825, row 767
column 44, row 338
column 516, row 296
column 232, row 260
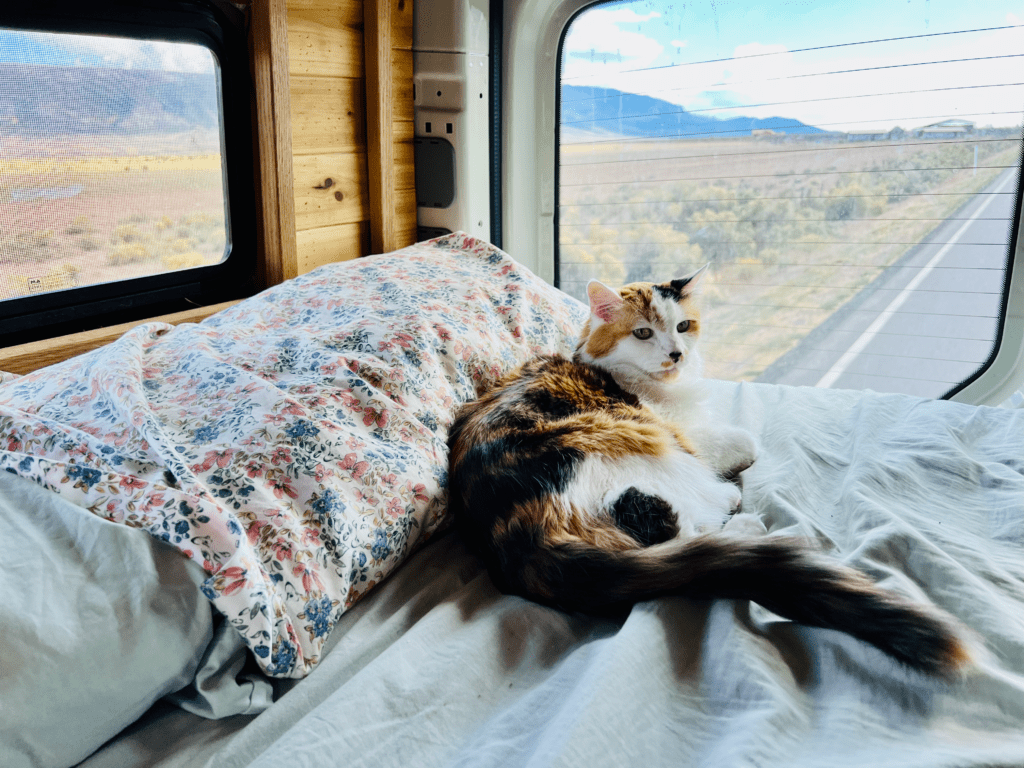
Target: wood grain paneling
column 269, row 47
column 329, row 189
column 401, row 85
column 405, row 171
column 329, row 244
column 326, row 41
column 328, row 115
column 401, row 24
column 405, row 217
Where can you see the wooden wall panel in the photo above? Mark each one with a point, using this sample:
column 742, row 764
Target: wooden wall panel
column 324, row 245
column 326, row 39
column 328, row 115
column 329, row 189
column 269, row 46
column 343, row 112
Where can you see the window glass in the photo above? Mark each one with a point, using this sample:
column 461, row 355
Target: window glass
column 110, row 160
column 849, row 170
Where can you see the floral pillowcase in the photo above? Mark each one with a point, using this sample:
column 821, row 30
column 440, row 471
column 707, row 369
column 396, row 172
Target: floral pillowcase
column 293, row 445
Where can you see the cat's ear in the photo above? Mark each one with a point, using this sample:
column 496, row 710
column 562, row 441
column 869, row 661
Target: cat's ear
column 603, row 300
column 689, row 284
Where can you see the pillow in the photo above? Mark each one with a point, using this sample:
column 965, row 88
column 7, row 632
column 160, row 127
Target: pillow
column 294, row 444
column 99, row 621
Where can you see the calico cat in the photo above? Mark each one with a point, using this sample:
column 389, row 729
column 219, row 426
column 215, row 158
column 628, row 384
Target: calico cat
column 593, row 483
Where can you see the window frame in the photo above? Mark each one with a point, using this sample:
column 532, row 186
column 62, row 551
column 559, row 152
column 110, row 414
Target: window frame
column 535, row 33
column 221, row 28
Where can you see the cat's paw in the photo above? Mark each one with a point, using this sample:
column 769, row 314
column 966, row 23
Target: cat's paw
column 745, row 524
column 732, row 451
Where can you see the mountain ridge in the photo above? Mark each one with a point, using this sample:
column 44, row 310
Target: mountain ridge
column 606, row 110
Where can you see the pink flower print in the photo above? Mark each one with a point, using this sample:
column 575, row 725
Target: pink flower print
column 321, row 473
column 419, row 492
column 275, row 419
column 373, row 416
column 132, row 483
column 349, row 400
column 282, row 486
column 293, row 409
column 254, row 468
column 385, row 346
column 360, row 496
column 235, row 575
column 394, row 509
column 309, row 577
column 389, row 480
column 281, row 455
column 443, row 333
column 358, row 468
column 219, row 457
column 254, row 530
column 310, row 537
column 404, row 339
column 282, row 549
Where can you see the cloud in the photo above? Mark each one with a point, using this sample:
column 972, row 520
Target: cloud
column 123, row 53
column 600, row 42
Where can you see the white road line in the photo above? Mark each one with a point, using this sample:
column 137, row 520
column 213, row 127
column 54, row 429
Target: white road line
column 872, row 330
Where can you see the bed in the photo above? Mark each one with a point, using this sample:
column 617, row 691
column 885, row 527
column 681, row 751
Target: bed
column 225, row 544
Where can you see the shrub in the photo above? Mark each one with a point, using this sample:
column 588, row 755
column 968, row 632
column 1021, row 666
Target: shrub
column 129, row 253
column 80, row 226
column 184, row 260
column 125, row 233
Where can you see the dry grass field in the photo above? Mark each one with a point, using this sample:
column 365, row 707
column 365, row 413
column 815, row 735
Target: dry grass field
column 793, row 228
column 86, row 220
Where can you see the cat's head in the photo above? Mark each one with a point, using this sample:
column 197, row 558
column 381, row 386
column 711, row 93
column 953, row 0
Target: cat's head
column 644, row 330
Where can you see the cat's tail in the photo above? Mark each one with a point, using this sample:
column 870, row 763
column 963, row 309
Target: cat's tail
column 783, row 575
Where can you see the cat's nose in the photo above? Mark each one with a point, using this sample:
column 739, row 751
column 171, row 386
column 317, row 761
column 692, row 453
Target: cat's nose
column 675, row 356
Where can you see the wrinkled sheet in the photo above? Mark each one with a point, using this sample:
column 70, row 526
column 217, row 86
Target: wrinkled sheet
column 436, row 668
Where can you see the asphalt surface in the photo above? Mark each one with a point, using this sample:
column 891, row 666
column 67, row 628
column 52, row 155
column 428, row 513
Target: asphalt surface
column 928, row 322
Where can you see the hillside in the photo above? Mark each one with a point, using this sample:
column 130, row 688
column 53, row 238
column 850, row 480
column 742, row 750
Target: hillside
column 608, row 111
column 38, row 100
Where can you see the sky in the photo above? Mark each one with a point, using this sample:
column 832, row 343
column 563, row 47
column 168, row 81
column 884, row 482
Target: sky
column 818, row 61
column 98, row 51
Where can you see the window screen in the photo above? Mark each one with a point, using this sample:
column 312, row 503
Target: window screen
column 111, row 163
column 849, row 170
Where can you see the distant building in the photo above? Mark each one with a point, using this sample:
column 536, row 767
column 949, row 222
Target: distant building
column 947, row 129
column 869, row 134
column 764, row 132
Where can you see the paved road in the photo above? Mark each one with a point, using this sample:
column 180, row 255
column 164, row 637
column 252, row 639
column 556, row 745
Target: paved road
column 928, row 322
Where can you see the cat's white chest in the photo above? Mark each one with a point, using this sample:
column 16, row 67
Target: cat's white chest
column 725, row 448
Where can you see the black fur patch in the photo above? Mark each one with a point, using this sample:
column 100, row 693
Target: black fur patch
column 648, row 519
column 673, row 290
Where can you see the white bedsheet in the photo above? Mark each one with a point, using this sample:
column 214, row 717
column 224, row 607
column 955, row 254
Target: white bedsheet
column 436, row 668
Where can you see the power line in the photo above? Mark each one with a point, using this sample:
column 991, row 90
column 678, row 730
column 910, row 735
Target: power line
column 807, row 50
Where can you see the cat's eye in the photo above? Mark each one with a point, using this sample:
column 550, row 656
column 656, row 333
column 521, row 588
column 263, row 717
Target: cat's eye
column 643, row 333
column 683, row 327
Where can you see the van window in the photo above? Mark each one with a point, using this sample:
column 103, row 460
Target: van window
column 850, row 171
column 111, row 165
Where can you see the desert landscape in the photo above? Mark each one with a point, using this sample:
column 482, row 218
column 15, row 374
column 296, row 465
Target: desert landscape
column 793, row 226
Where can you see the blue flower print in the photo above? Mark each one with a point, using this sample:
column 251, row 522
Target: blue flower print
column 318, row 613
column 380, row 548
column 282, row 660
column 87, row 476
